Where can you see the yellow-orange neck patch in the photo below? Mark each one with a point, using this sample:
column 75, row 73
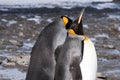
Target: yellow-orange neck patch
column 71, row 31
column 65, row 20
column 86, row 38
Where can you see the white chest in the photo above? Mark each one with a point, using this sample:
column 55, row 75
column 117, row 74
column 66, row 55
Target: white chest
column 89, row 62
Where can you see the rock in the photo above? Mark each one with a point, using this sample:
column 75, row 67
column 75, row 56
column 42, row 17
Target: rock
column 6, row 63
column 20, row 60
column 12, row 59
column 113, row 29
column 21, row 34
column 33, row 35
column 11, row 49
column 101, row 76
column 23, row 60
column 102, row 36
column 15, row 42
column 1, row 41
column 10, row 64
column 109, row 46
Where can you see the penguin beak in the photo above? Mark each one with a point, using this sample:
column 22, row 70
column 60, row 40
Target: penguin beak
column 67, row 21
column 81, row 15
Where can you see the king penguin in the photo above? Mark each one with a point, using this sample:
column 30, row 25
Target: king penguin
column 77, row 58
column 69, row 58
column 88, row 63
column 42, row 61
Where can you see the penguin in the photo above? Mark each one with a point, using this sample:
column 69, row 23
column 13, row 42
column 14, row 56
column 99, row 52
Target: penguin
column 42, row 61
column 69, row 58
column 88, row 63
column 77, row 59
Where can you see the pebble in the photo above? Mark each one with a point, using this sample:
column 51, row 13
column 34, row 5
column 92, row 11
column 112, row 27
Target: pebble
column 20, row 60
column 21, row 34
column 102, row 36
column 11, row 49
column 109, row 46
column 101, row 76
column 12, row 59
column 23, row 61
column 15, row 42
column 9, row 64
column 113, row 28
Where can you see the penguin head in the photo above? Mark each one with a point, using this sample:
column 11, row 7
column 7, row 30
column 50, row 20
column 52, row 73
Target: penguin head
column 67, row 21
column 77, row 27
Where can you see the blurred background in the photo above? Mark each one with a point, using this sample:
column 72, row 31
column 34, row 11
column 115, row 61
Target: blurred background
column 21, row 21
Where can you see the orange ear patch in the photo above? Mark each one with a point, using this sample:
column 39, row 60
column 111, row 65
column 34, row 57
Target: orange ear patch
column 65, row 20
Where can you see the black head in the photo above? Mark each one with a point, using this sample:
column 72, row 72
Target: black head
column 77, row 25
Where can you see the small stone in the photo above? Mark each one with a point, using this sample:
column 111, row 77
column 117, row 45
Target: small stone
column 23, row 60
column 11, row 49
column 102, row 36
column 101, row 76
column 33, row 35
column 21, row 34
column 86, row 26
column 109, row 46
column 6, row 63
column 1, row 41
column 15, row 42
column 113, row 29
column 20, row 25
column 10, row 64
column 20, row 60
column 12, row 59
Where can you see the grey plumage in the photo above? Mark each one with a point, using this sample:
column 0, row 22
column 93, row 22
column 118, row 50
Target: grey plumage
column 42, row 62
column 69, row 56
